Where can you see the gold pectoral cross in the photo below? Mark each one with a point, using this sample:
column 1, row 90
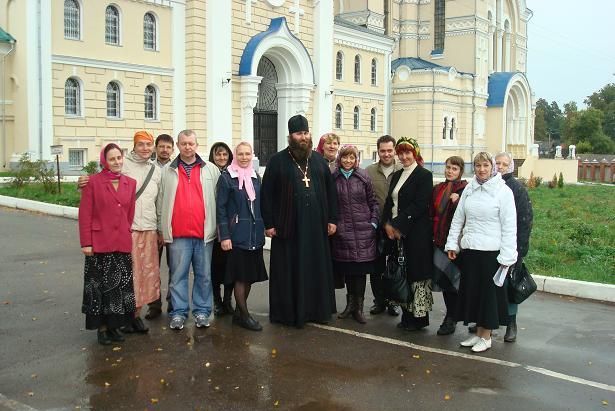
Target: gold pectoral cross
column 306, row 180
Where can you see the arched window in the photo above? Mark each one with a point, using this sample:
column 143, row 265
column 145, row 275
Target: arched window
column 357, row 69
column 112, row 25
column 72, row 97
column 452, row 131
column 439, row 26
column 151, row 101
column 113, row 100
column 339, row 65
column 374, row 71
column 444, row 128
column 149, row 31
column 338, row 116
column 356, row 116
column 372, row 120
column 72, row 20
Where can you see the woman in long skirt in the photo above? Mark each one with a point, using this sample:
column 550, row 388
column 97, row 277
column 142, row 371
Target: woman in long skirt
column 106, row 214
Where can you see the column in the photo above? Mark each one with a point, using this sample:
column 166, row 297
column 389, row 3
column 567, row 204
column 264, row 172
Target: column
column 323, row 67
column 249, row 98
column 179, row 66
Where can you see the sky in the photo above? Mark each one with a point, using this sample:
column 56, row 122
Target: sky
column 571, row 48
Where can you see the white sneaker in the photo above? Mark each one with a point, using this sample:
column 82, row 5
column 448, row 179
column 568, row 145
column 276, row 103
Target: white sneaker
column 482, row 345
column 470, row 341
column 201, row 321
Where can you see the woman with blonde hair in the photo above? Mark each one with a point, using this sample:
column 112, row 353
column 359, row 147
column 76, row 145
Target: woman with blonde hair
column 328, row 146
column 483, row 235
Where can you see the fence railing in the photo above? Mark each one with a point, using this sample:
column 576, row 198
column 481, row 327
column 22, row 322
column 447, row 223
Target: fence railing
column 602, row 171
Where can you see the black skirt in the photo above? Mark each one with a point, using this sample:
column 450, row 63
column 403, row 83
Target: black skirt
column 218, row 264
column 108, row 291
column 245, row 266
column 343, row 268
column 480, row 301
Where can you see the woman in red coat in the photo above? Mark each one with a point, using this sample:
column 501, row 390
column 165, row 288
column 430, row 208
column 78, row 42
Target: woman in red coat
column 106, row 212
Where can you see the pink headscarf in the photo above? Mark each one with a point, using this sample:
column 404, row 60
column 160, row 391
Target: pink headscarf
column 103, row 161
column 244, row 174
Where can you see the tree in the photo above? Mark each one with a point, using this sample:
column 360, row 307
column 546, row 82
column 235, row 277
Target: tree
column 604, row 100
column 540, row 125
column 571, row 112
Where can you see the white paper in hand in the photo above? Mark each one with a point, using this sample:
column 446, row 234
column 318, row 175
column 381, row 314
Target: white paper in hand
column 500, row 276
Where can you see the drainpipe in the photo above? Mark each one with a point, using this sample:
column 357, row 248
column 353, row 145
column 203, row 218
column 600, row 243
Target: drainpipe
column 39, row 35
column 474, row 83
column 4, row 103
column 433, row 104
column 418, row 29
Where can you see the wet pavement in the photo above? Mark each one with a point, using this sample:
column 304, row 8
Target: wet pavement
column 564, row 358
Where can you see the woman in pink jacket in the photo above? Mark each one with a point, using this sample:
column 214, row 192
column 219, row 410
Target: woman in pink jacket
column 106, row 212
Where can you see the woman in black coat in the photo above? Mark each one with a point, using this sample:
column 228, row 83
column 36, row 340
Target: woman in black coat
column 406, row 218
column 525, row 217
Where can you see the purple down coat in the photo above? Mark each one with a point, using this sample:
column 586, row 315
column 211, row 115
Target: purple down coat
column 355, row 238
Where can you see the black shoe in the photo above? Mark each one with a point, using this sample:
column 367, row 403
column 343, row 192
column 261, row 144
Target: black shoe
column 247, row 323
column 103, row 337
column 153, row 312
column 377, row 309
column 219, row 310
column 448, row 326
column 115, row 335
column 511, row 332
column 227, row 307
column 169, row 307
column 472, row 329
column 393, row 310
column 138, row 326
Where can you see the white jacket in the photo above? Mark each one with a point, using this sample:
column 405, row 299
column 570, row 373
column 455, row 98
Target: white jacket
column 146, row 218
column 486, row 220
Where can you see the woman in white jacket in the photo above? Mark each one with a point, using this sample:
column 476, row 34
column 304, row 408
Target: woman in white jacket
column 483, row 235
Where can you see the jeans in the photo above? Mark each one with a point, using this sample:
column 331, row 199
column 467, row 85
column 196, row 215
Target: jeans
column 183, row 252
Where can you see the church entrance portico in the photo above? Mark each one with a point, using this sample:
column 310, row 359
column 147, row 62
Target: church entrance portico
column 277, row 78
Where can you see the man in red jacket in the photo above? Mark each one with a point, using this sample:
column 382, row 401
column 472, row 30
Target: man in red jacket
column 187, row 222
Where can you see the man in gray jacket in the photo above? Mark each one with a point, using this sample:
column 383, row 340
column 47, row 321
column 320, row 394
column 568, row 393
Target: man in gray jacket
column 381, row 174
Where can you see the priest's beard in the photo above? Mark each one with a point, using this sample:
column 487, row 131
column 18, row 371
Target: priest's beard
column 300, row 150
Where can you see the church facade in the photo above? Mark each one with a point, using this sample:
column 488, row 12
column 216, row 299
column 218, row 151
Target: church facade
column 84, row 73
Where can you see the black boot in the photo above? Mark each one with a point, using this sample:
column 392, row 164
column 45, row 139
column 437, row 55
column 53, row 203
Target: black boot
column 218, row 308
column 115, row 335
column 511, row 330
column 447, row 327
column 227, row 304
column 349, row 307
column 103, row 337
column 377, row 308
column 357, row 313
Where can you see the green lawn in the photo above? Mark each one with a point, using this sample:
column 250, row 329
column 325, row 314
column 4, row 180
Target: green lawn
column 574, row 233
column 69, row 196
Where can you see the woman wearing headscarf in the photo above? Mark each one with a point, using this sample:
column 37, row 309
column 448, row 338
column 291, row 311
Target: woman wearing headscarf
column 525, row 217
column 406, row 219
column 444, row 200
column 483, row 234
column 353, row 247
column 328, row 145
column 220, row 154
column 106, row 213
column 145, row 263
column 241, row 230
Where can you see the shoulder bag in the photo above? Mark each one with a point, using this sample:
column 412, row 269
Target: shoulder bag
column 521, row 284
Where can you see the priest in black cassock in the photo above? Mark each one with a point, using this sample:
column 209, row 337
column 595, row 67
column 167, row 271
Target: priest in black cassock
column 299, row 208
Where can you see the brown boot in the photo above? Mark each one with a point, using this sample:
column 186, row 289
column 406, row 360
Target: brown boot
column 357, row 313
column 349, row 307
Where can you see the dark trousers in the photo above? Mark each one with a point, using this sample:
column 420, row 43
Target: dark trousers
column 158, row 302
column 376, row 283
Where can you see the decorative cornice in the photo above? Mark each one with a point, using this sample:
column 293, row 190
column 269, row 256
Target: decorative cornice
column 111, row 65
column 361, row 40
column 367, row 18
column 358, row 94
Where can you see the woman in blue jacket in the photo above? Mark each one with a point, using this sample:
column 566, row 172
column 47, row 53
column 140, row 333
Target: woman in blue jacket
column 241, row 230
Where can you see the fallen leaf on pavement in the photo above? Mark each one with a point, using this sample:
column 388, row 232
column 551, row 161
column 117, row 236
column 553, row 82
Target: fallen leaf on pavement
column 6, row 302
column 276, row 403
column 159, row 349
column 428, row 371
column 117, row 348
column 107, row 384
column 34, row 376
column 154, row 400
column 33, row 318
column 207, row 365
column 447, row 397
column 274, row 351
column 605, row 402
column 31, row 394
column 162, row 381
column 416, row 356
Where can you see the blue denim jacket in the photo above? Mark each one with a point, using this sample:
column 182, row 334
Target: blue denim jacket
column 239, row 219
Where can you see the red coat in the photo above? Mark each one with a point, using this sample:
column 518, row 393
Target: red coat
column 105, row 215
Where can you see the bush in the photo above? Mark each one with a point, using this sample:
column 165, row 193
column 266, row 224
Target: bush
column 537, row 181
column 523, row 181
column 90, row 168
column 24, row 173
column 531, row 183
column 553, row 182
column 37, row 171
column 560, row 181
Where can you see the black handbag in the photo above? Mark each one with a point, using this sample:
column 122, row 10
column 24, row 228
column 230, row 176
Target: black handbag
column 521, row 284
column 396, row 287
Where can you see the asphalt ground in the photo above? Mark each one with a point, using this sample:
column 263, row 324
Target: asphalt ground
column 564, row 358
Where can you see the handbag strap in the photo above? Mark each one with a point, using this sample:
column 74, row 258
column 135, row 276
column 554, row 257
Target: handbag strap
column 146, row 182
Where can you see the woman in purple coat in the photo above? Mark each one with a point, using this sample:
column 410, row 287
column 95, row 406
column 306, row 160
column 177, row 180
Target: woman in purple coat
column 354, row 243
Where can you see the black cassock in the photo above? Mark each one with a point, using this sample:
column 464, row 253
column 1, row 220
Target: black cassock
column 300, row 272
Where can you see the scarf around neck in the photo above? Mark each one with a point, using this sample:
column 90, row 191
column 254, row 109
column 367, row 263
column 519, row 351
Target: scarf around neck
column 106, row 172
column 244, row 174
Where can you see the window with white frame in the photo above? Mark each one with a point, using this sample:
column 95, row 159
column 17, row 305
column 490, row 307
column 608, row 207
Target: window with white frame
column 338, row 116
column 112, row 25
column 151, row 99
column 76, row 157
column 72, row 97
column 444, row 128
column 372, row 120
column 339, row 65
column 113, row 100
column 452, row 130
column 149, row 31
column 374, row 71
column 356, row 116
column 72, row 20
column 357, row 69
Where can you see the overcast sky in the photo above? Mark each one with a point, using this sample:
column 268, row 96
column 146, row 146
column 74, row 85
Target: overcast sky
column 571, row 48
